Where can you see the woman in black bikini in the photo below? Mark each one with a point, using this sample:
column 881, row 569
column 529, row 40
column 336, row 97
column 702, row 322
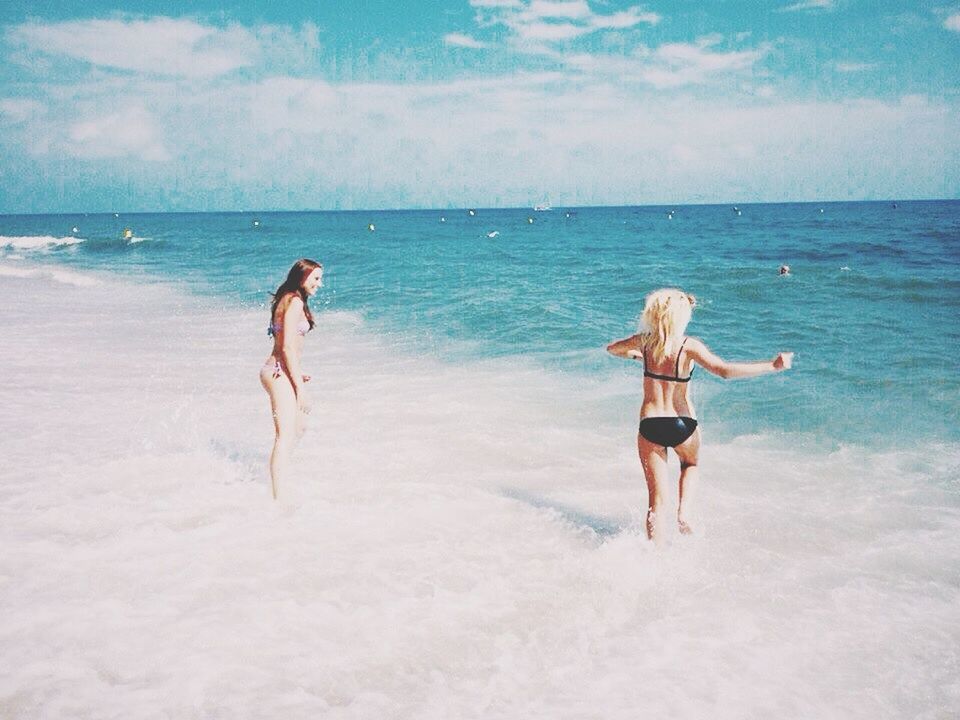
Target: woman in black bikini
column 667, row 417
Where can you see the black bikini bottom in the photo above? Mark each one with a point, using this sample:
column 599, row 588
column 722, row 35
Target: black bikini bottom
column 667, row 431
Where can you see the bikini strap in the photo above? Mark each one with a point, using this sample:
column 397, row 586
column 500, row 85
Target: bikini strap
column 676, row 370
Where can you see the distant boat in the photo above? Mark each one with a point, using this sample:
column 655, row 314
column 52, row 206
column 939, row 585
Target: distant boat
column 543, row 208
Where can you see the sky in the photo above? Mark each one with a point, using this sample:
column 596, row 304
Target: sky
column 152, row 105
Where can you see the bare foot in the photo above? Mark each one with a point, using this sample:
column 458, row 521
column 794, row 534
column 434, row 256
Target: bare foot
column 684, row 526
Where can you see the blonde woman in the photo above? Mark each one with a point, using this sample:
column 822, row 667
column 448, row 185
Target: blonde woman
column 667, row 416
column 282, row 376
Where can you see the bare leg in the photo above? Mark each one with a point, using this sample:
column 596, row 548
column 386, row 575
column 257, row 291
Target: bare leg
column 283, row 403
column 689, row 453
column 654, row 460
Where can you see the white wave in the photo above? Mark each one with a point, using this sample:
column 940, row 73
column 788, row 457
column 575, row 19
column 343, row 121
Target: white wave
column 57, row 274
column 454, row 540
column 37, row 242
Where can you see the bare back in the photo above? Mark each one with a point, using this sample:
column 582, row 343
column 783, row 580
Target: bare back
column 667, row 394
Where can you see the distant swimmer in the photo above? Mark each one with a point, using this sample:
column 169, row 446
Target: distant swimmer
column 127, row 234
column 442, row 219
column 667, row 415
column 282, row 376
column 784, row 270
column 371, row 227
column 493, row 234
column 471, row 213
column 821, row 210
column 669, row 216
column 256, row 223
column 74, row 231
column 530, row 220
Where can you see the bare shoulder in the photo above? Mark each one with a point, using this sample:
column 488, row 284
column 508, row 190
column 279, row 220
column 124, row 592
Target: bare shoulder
column 699, row 351
column 291, row 301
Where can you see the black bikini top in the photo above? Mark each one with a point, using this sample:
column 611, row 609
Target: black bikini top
column 676, row 372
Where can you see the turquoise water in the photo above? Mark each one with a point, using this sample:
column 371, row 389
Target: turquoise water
column 871, row 307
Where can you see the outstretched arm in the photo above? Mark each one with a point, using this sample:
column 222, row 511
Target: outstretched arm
column 628, row 348
column 720, row 367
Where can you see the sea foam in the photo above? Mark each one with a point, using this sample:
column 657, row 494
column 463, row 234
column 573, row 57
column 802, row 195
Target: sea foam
column 37, row 242
column 454, row 540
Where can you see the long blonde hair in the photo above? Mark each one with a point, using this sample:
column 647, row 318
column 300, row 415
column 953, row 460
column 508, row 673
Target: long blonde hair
column 664, row 319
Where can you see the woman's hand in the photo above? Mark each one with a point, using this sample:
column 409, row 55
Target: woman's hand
column 783, row 361
column 634, row 354
column 306, row 378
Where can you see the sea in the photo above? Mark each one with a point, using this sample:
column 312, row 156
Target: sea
column 462, row 531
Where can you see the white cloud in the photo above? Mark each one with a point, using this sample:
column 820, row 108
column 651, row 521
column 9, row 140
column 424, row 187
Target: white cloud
column 809, row 5
column 126, row 132
column 160, row 45
column 298, row 142
column 563, row 9
column 952, row 22
column 625, row 19
column 853, row 67
column 549, row 32
column 18, row 110
column 678, row 64
column 302, row 143
column 671, row 65
column 461, row 40
column 537, row 24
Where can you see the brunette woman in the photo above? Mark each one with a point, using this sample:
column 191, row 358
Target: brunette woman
column 281, row 376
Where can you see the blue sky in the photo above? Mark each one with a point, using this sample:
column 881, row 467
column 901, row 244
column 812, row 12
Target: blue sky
column 234, row 105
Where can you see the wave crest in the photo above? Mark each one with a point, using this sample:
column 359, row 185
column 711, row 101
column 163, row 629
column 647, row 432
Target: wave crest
column 37, row 242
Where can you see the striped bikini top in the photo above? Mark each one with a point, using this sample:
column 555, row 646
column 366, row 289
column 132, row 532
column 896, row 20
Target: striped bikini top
column 676, row 372
column 274, row 328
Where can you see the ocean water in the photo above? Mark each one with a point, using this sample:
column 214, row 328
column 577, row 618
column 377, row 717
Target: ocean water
column 462, row 535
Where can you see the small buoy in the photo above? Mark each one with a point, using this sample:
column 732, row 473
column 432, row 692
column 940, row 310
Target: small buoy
column 821, row 209
column 736, row 209
column 116, row 214
column 739, row 213
column 371, row 227
column 74, row 231
column 568, row 214
column 256, row 223
column 530, row 220
column 493, row 234
column 127, row 234
column 471, row 213
column 669, row 216
column 442, row 219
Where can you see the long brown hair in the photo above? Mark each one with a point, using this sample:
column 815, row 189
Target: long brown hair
column 294, row 284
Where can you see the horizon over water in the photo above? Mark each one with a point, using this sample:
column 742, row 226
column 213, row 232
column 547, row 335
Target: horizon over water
column 462, row 535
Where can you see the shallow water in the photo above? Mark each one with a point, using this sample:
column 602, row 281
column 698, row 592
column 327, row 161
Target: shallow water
column 463, row 537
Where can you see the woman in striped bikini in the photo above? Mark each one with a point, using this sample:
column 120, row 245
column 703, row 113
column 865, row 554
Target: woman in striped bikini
column 281, row 375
